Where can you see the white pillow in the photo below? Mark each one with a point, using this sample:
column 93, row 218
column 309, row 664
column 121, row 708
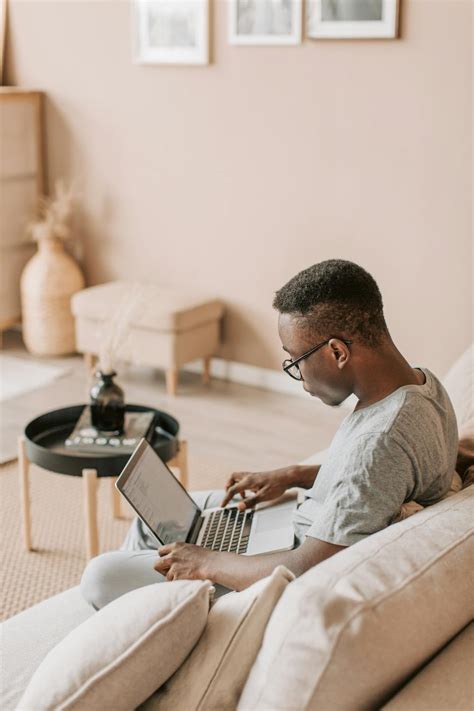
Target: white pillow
column 214, row 674
column 122, row 654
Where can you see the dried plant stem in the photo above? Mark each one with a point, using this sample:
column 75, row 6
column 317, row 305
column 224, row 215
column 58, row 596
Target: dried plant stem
column 115, row 334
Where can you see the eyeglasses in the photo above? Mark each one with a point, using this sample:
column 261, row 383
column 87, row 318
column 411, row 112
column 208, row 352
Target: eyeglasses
column 293, row 369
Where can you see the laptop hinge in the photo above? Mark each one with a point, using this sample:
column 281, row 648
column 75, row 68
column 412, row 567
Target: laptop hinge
column 195, row 527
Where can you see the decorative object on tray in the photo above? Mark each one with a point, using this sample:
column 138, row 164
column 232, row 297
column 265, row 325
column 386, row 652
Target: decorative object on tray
column 49, row 280
column 107, row 400
column 352, row 19
column 264, row 22
column 87, row 436
column 171, row 31
column 107, row 404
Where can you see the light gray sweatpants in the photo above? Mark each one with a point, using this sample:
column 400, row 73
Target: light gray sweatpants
column 110, row 575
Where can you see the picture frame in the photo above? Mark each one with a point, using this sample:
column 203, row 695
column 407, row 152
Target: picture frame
column 265, row 22
column 352, row 19
column 171, row 32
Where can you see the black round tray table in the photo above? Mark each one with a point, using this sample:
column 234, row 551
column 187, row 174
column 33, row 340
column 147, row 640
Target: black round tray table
column 43, row 443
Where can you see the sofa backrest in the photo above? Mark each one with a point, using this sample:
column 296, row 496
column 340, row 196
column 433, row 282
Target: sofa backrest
column 349, row 632
column 459, row 383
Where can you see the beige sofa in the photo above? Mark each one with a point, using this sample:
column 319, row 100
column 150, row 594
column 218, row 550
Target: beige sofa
column 386, row 623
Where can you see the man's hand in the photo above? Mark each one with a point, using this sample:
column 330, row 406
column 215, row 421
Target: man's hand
column 265, row 486
column 184, row 561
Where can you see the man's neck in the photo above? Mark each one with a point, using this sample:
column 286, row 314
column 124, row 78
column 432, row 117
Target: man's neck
column 381, row 374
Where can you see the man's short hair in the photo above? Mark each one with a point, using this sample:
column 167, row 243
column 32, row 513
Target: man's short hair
column 335, row 297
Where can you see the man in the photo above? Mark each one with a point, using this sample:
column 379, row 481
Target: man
column 399, row 443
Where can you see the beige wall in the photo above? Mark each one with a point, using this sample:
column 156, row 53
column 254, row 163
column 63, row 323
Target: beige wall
column 235, row 176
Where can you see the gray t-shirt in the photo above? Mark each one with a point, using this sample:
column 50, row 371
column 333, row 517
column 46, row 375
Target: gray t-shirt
column 399, row 449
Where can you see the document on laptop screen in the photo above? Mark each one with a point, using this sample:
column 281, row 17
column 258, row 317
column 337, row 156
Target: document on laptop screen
column 160, row 499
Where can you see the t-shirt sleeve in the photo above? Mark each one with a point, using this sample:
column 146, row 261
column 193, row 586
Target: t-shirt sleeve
column 374, row 478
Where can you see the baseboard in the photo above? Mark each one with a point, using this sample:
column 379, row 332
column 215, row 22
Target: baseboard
column 256, row 377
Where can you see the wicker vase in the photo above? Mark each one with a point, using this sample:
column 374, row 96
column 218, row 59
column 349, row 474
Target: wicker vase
column 48, row 281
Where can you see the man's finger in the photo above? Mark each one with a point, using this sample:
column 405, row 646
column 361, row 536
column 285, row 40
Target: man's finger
column 249, row 502
column 231, row 480
column 162, row 565
column 226, row 500
column 230, row 493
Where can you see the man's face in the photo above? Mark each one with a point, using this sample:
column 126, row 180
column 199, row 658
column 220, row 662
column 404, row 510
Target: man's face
column 326, row 373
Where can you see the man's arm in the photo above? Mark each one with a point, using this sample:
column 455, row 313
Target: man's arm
column 266, row 486
column 305, row 475
column 186, row 561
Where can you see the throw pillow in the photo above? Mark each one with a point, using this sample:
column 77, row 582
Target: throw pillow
column 348, row 633
column 214, row 674
column 123, row 653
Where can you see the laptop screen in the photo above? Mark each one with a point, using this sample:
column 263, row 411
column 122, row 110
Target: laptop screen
column 159, row 498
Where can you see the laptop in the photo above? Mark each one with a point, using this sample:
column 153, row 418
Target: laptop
column 170, row 514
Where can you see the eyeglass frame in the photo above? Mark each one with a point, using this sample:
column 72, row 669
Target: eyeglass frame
column 290, row 363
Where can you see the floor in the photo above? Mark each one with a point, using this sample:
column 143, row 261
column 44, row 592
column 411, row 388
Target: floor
column 229, row 427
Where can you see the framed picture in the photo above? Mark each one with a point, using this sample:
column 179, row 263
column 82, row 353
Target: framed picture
column 264, row 22
column 171, row 31
column 351, row 19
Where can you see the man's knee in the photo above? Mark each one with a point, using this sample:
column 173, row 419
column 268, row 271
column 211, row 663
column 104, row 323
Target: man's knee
column 100, row 582
column 111, row 575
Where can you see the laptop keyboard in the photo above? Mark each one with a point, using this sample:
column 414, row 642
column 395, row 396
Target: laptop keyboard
column 227, row 530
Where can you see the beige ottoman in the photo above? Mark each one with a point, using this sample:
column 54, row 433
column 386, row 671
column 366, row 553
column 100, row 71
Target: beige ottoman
column 161, row 326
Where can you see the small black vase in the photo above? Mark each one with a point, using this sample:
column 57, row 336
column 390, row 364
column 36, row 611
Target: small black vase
column 107, row 404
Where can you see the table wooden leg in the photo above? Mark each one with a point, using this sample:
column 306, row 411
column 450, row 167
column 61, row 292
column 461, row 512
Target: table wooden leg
column 89, row 478
column 116, row 499
column 206, row 370
column 24, row 467
column 180, row 461
column 172, row 381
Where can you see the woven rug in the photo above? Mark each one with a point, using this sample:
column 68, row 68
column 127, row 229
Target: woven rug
column 58, row 531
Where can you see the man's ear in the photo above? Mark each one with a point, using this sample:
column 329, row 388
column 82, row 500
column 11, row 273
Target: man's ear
column 340, row 352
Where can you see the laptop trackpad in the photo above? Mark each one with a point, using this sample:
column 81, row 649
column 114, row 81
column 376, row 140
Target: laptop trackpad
column 272, row 529
column 271, row 519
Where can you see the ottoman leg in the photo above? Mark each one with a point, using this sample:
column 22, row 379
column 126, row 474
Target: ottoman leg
column 206, row 370
column 89, row 478
column 24, row 466
column 172, row 381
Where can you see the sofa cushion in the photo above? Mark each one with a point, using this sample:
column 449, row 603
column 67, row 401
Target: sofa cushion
column 27, row 638
column 356, row 626
column 158, row 308
column 214, row 674
column 446, row 683
column 120, row 655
